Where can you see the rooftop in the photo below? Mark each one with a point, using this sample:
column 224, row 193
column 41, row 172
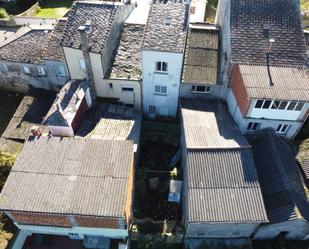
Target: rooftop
column 201, row 56
column 53, row 49
column 255, row 22
column 220, row 167
column 30, row 112
column 288, row 82
column 280, row 178
column 166, row 27
column 70, row 176
column 127, row 63
column 111, row 122
column 63, row 110
column 26, row 45
column 208, row 124
column 101, row 15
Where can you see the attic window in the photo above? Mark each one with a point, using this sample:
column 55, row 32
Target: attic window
column 167, row 21
column 266, row 30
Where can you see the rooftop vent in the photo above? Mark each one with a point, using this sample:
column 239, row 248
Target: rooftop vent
column 266, row 28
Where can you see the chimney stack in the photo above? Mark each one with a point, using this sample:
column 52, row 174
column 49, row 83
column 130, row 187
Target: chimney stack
column 84, row 30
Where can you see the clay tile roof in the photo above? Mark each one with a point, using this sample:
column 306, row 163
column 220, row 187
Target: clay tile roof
column 254, row 22
column 166, row 27
column 101, row 15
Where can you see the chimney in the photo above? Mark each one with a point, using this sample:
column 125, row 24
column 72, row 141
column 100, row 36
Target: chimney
column 271, row 41
column 84, row 30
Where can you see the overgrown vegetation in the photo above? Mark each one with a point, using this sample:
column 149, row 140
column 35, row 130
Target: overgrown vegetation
column 3, row 13
column 53, row 8
column 7, row 228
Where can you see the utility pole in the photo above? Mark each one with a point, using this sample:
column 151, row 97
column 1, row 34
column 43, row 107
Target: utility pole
column 84, row 30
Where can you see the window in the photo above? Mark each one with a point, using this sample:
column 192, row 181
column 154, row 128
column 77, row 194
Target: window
column 259, row 103
column 60, row 70
column 192, row 10
column 283, row 105
column 299, row 106
column 161, row 89
column 275, row 104
column 3, row 68
column 253, row 126
column 82, row 64
column 152, row 109
column 266, row 104
column 127, row 89
column 26, row 70
column 41, row 70
column 167, row 21
column 129, row 105
column 161, row 66
column 282, row 128
column 111, row 85
column 292, row 105
column 201, row 89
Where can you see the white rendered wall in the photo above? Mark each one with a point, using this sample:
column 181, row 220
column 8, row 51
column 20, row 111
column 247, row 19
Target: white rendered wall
column 166, row 105
column 72, row 57
column 200, row 10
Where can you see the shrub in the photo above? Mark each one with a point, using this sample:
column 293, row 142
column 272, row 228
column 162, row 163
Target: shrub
column 3, row 13
column 6, row 162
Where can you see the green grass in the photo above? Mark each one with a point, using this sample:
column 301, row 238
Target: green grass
column 304, row 5
column 54, row 8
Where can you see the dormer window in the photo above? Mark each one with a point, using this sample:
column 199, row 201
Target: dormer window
column 161, row 66
column 167, row 21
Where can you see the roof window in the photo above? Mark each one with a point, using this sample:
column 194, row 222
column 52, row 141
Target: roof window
column 266, row 30
column 167, row 21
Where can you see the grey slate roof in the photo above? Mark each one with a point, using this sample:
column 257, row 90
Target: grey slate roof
column 280, row 178
column 289, row 83
column 305, row 170
column 222, row 182
column 161, row 37
column 53, row 49
column 70, row 176
column 67, row 99
column 27, row 48
column 201, row 56
column 101, row 15
column 208, row 124
column 127, row 63
column 248, row 44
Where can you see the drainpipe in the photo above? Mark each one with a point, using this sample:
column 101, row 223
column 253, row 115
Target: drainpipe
column 84, row 30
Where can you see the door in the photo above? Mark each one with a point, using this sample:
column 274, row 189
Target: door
column 162, row 107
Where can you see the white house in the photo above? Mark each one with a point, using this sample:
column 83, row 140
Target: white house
column 162, row 58
column 264, row 65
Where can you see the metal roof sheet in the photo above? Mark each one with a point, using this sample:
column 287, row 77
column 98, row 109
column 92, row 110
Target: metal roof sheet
column 289, row 83
column 71, row 176
column 208, row 124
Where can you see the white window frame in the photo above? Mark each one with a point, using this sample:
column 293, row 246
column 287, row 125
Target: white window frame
column 159, row 66
column 82, row 64
column 60, row 70
column 26, row 70
column 282, row 128
column 162, row 90
column 195, row 89
column 278, row 106
column 41, row 70
column 253, row 126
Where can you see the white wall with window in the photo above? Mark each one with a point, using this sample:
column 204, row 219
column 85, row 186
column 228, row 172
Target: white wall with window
column 161, row 73
column 188, row 90
column 57, row 73
column 278, row 109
